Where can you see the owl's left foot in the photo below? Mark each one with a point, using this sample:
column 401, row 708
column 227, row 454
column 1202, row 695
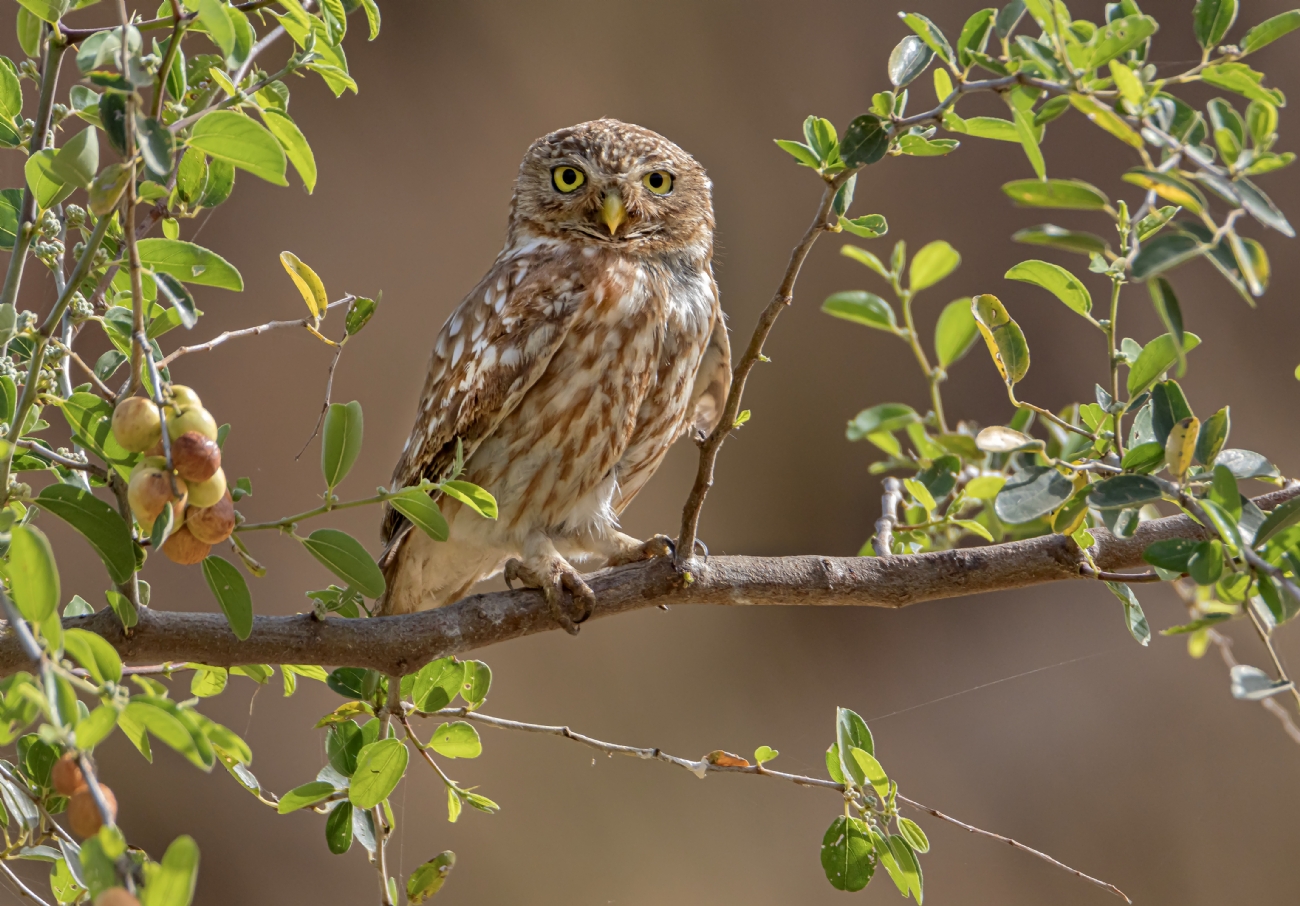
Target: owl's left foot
column 636, row 551
column 554, row 576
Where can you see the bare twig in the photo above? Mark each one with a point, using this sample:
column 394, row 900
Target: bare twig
column 822, row 222
column 47, row 453
column 704, row 767
column 883, row 543
column 399, row 644
column 244, row 332
column 325, row 407
column 22, row 888
column 77, row 35
column 935, row 813
column 106, row 391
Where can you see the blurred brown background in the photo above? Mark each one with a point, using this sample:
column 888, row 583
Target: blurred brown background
column 1132, row 764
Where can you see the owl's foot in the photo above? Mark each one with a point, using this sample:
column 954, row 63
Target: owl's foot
column 636, row 551
column 554, row 576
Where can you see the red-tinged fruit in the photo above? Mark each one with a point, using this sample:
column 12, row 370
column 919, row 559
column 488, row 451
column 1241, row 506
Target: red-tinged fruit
column 195, row 457
column 183, row 548
column 208, row 493
column 212, row 524
column 83, row 814
column 66, row 776
column 151, row 489
column 136, row 425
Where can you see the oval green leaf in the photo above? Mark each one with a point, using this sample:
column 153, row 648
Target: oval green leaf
column 1124, row 491
column 231, row 591
column 340, row 441
column 932, row 263
column 477, row 499
column 862, row 308
column 1003, row 336
column 1155, row 359
column 1071, row 194
column 380, row 767
column 305, row 795
column 189, row 263
column 457, row 740
column 97, row 522
column 239, row 140
column 846, row 854
column 94, row 653
column 955, row 333
column 1031, row 493
column 423, row 511
column 344, row 556
column 1057, row 281
column 33, row 575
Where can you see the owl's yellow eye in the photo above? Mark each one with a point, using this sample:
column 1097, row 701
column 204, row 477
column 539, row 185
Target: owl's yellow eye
column 567, row 179
column 660, row 182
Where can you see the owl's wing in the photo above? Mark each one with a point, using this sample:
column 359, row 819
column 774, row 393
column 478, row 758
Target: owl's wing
column 496, row 344
column 712, row 381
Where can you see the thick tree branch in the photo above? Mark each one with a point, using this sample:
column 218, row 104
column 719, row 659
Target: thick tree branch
column 401, row 644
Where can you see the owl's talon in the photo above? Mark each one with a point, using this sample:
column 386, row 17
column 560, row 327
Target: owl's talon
column 553, row 580
column 652, row 547
column 701, row 546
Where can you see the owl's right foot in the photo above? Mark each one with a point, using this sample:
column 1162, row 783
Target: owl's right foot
column 554, row 576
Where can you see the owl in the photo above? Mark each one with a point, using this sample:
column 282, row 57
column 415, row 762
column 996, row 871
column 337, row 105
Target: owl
column 593, row 343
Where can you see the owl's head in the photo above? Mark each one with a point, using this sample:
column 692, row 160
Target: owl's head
column 614, row 184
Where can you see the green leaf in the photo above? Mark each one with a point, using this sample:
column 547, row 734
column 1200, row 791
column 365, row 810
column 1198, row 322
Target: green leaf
column 862, row 308
column 1283, row 516
column 1241, row 79
column 220, row 183
column 860, row 255
column 338, row 828
column 1134, row 618
column 295, row 146
column 928, row 32
column 1031, row 493
column 932, row 263
column 846, row 854
column 121, row 605
column 955, row 333
column 189, row 263
column 156, row 146
column 1164, row 252
column 423, row 511
column 1124, row 491
column 764, row 754
column 380, row 766
column 1168, row 187
column 456, row 740
column 33, row 575
column 428, row 879
column 98, row 523
column 173, row 726
column 94, row 653
column 437, row 684
column 908, row 60
column 1270, row 30
column 1246, row 464
column 851, row 732
column 1143, row 458
column 1171, row 554
column 340, row 441
column 478, row 681
column 1211, row 20
column 1056, row 193
column 172, row 882
column 47, row 10
column 47, row 187
column 11, row 203
column 1056, row 280
column 1214, row 434
column 1107, row 119
column 1002, row 335
column 885, row 417
column 974, row 36
column 307, row 794
column 800, row 152
column 231, row 592
column 871, row 770
column 1261, row 207
column 209, row 681
column 1117, row 38
column 1155, row 359
column 912, row 833
column 214, row 16
column 359, row 314
column 989, row 127
column 239, row 140
column 343, row 742
column 477, row 499
column 78, row 160
column 917, row 146
column 344, row 556
column 868, row 226
column 865, row 141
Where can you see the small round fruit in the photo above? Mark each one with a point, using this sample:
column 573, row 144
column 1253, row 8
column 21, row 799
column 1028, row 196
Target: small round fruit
column 83, row 814
column 195, row 419
column 66, row 776
column 149, row 490
column 116, row 896
column 210, row 492
column 185, row 398
column 195, row 457
column 212, row 524
column 136, row 425
column 183, row 548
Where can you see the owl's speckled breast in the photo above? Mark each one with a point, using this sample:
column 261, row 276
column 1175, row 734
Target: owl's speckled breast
column 611, row 400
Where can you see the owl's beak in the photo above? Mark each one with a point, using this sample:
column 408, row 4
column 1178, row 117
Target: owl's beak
column 612, row 212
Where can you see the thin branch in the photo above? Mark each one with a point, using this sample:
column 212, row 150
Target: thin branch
column 935, row 813
column 61, row 460
column 883, row 543
column 244, row 332
column 1104, row 576
column 106, row 391
column 400, row 644
column 325, row 406
column 77, row 35
column 784, row 296
column 704, row 767
column 22, row 888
